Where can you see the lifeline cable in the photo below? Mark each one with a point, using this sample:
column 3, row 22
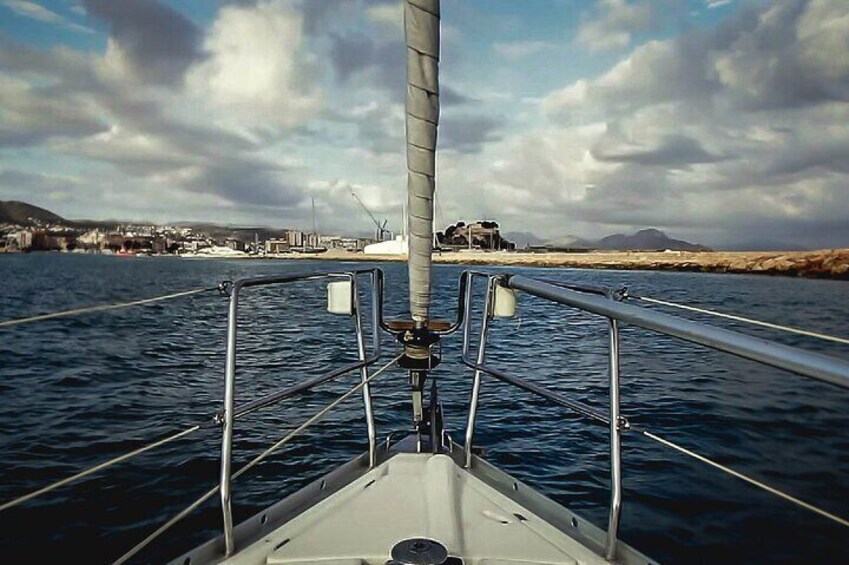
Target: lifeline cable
column 736, row 318
column 99, row 467
column 741, row 476
column 211, row 492
column 102, row 307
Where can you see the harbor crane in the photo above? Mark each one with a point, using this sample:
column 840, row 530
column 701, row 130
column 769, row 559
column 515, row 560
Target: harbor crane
column 381, row 227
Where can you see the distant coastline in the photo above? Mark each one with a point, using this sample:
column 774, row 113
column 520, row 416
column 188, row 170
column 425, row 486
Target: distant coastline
column 821, row 264
column 826, row 263
column 28, row 228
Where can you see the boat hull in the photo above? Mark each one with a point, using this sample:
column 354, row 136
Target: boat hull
column 355, row 515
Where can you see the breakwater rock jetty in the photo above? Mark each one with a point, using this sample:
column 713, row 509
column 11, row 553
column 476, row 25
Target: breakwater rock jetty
column 828, row 263
column 825, row 263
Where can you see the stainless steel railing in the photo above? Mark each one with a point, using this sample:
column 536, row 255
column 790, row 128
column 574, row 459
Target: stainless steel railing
column 805, row 363
column 608, row 304
column 230, row 411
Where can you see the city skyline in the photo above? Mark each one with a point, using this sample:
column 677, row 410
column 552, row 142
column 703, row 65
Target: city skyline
column 716, row 121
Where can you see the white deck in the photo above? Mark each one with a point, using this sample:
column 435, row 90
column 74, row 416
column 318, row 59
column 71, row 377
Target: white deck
column 416, row 495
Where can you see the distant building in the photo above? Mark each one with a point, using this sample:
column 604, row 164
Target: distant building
column 18, row 241
column 25, row 239
column 344, row 243
column 294, row 238
column 42, row 241
column 276, row 245
column 235, row 244
column 477, row 235
column 195, row 243
column 311, row 240
column 398, row 246
column 92, row 237
column 114, row 242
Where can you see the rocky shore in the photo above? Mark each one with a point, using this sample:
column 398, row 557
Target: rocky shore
column 826, row 263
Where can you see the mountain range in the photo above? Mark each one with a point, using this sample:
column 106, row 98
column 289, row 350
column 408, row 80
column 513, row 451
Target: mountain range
column 28, row 215
column 647, row 239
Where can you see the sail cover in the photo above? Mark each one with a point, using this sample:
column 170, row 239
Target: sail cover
column 421, row 26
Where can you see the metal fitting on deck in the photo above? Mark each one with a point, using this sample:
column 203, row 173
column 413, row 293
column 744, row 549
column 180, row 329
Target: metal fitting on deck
column 418, row 346
column 225, row 287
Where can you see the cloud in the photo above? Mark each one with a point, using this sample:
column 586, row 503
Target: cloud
column 468, row 133
column 782, row 57
column 318, row 14
column 362, row 62
column 154, row 41
column 21, row 185
column 355, row 55
column 30, row 116
column 33, row 10
column 711, row 4
column 254, row 77
column 670, row 150
column 39, row 13
column 721, row 133
column 519, row 49
column 334, row 200
column 734, row 131
column 247, row 181
column 655, row 72
column 332, row 15
column 391, row 15
column 787, row 57
column 612, row 24
column 209, row 137
column 451, row 97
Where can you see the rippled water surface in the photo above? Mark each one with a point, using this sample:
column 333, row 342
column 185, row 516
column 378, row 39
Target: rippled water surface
column 78, row 390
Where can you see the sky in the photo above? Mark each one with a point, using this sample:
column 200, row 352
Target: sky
column 724, row 122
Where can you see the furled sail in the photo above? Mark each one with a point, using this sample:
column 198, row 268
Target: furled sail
column 421, row 27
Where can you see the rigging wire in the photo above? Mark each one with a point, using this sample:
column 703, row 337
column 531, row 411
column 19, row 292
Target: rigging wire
column 256, row 460
column 277, row 445
column 736, row 318
column 626, row 426
column 104, row 307
column 99, row 467
column 750, row 480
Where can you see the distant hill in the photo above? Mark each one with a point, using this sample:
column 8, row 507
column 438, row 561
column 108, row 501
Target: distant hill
column 649, row 239
column 571, row 242
column 522, row 238
column 21, row 213
column 242, row 233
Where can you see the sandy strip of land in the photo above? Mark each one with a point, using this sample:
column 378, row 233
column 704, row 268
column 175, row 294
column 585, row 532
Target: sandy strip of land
column 826, row 263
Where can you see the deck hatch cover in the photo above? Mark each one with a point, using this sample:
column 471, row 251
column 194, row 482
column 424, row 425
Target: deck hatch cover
column 419, row 551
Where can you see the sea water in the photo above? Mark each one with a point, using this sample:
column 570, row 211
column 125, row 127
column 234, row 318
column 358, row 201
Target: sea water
column 76, row 391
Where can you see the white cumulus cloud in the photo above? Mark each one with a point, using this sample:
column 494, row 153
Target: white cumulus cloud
column 256, row 77
column 613, row 23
